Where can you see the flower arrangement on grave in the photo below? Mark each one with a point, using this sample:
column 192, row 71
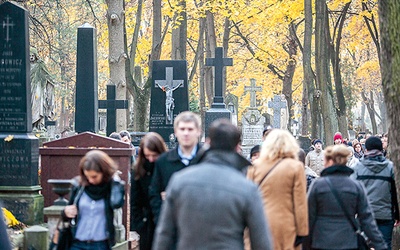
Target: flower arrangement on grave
column 11, row 221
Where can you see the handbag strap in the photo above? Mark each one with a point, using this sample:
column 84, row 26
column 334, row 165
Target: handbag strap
column 78, row 195
column 339, row 201
column 269, row 171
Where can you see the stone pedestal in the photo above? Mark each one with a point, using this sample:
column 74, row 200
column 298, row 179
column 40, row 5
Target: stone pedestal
column 36, row 237
column 215, row 114
column 53, row 214
column 24, row 202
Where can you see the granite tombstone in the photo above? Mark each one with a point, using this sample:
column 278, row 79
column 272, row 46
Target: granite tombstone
column 218, row 108
column 279, row 107
column 169, row 97
column 86, row 95
column 19, row 148
column 252, row 121
column 111, row 105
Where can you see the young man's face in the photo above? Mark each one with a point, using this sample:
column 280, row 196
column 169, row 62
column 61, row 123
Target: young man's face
column 318, row 145
column 384, row 142
column 187, row 134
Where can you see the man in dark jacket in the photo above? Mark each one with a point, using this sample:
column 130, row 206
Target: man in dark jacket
column 376, row 173
column 209, row 205
column 187, row 129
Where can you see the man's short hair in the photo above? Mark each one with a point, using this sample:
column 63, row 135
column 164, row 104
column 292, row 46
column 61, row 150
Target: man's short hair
column 223, row 135
column 373, row 142
column 123, row 133
column 188, row 116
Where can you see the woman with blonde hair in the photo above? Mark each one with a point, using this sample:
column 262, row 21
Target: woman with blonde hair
column 282, row 184
column 333, row 201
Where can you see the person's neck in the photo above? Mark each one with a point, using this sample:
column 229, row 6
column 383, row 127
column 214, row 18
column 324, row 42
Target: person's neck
column 187, row 151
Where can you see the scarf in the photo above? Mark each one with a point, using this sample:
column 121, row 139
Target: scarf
column 97, row 192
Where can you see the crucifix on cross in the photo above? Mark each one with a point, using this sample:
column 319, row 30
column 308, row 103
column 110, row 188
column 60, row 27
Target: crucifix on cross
column 169, row 85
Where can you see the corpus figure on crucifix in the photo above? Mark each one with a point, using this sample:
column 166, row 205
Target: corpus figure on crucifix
column 169, row 86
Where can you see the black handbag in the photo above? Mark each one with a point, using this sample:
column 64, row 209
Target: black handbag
column 65, row 237
column 362, row 239
column 62, row 238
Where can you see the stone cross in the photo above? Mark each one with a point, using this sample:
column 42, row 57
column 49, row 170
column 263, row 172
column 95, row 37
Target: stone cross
column 277, row 104
column 7, row 25
column 168, row 86
column 219, row 62
column 111, row 104
column 253, row 89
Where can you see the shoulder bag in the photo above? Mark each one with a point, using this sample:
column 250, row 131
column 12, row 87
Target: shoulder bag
column 269, row 171
column 362, row 240
column 62, row 238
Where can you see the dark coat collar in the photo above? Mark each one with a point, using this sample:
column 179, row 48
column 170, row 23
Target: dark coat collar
column 337, row 170
column 222, row 157
column 173, row 154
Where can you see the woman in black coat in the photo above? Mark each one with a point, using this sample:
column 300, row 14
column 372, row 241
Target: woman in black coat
column 151, row 146
column 329, row 226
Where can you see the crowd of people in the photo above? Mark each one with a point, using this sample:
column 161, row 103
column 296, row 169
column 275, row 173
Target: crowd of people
column 208, row 196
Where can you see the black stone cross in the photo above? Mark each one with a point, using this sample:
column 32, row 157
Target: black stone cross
column 219, row 62
column 111, row 104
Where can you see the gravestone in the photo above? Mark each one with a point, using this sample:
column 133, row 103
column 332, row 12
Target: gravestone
column 19, row 148
column 86, row 96
column 252, row 121
column 218, row 109
column 277, row 104
column 60, row 160
column 169, row 97
column 232, row 103
column 112, row 105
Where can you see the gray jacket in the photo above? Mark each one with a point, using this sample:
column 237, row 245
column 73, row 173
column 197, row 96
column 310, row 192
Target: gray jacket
column 376, row 173
column 329, row 227
column 209, row 205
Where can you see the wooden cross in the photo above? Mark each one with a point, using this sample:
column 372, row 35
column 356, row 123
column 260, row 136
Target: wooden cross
column 219, row 62
column 111, row 104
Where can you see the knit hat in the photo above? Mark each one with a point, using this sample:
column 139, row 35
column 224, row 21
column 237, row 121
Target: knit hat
column 373, row 142
column 255, row 149
column 317, row 141
column 337, row 136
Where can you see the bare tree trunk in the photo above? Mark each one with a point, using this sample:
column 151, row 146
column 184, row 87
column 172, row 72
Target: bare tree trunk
column 202, row 28
column 291, row 49
column 335, row 58
column 322, row 71
column 211, row 44
column 225, row 45
column 370, row 104
column 179, row 34
column 389, row 23
column 382, row 109
column 117, row 56
column 308, row 84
